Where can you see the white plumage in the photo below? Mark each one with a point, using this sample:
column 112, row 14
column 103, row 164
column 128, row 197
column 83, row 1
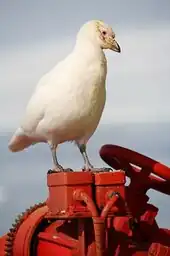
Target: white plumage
column 69, row 100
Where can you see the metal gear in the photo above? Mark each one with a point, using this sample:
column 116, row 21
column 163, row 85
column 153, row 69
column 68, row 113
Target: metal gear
column 15, row 226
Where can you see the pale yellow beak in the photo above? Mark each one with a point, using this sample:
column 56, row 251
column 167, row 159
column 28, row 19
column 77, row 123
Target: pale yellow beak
column 115, row 46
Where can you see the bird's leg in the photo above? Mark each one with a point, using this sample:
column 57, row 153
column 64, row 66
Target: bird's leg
column 57, row 166
column 87, row 165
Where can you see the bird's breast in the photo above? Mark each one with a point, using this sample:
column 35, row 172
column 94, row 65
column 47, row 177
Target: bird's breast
column 90, row 93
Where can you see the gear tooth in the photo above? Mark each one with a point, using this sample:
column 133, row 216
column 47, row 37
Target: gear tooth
column 30, row 210
column 12, row 230
column 9, row 234
column 16, row 220
column 15, row 226
column 19, row 216
column 9, row 238
column 8, row 243
column 7, row 254
column 8, row 249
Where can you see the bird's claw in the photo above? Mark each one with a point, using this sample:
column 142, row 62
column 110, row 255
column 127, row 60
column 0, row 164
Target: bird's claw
column 68, row 170
column 58, row 170
column 104, row 169
column 52, row 171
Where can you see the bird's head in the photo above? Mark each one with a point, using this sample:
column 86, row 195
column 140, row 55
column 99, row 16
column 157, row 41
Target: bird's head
column 101, row 33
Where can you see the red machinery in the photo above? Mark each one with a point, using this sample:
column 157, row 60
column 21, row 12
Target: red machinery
column 95, row 214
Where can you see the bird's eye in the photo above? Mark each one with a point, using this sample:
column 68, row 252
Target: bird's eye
column 103, row 33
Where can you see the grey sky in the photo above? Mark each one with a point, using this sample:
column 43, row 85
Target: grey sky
column 35, row 20
column 35, row 35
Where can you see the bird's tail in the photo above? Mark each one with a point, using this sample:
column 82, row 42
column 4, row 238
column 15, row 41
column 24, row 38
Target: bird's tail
column 19, row 141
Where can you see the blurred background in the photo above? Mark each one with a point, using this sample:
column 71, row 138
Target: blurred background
column 35, row 35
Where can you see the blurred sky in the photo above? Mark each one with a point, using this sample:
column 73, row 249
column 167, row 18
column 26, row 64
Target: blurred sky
column 34, row 36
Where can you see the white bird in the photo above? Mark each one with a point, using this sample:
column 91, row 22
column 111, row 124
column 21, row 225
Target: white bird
column 69, row 100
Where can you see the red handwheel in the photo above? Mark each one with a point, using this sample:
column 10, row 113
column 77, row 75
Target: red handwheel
column 135, row 165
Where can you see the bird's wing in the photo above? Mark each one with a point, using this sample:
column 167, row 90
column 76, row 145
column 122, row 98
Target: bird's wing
column 36, row 105
column 55, row 91
column 49, row 89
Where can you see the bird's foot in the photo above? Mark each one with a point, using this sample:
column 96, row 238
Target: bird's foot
column 93, row 169
column 68, row 170
column 57, row 170
column 51, row 171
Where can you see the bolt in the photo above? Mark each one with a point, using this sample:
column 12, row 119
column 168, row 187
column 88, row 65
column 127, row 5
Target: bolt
column 113, row 193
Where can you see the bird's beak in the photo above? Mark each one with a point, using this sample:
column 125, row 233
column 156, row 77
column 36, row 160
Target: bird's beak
column 115, row 46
